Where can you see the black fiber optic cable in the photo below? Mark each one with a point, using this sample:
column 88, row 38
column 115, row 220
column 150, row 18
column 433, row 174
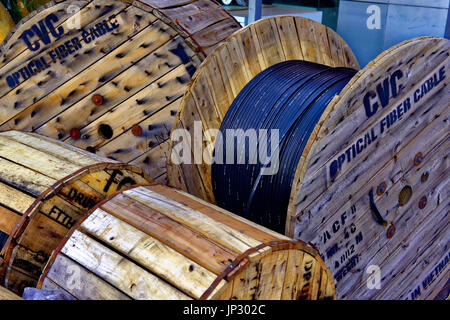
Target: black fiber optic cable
column 290, row 97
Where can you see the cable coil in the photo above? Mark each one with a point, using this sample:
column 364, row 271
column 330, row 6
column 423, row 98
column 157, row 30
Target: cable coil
column 290, row 97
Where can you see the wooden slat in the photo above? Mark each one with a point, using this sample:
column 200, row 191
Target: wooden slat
column 79, row 282
column 13, row 198
column 26, row 179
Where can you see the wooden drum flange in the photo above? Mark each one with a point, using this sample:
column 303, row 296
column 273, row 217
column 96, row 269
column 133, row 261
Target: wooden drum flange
column 45, row 188
column 155, row 242
column 87, row 72
column 370, row 189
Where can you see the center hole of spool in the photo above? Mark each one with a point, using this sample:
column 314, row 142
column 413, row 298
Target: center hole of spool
column 404, row 195
column 105, row 131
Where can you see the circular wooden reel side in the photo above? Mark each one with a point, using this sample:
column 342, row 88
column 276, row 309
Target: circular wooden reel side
column 230, row 67
column 45, row 188
column 401, row 157
column 155, row 242
column 107, row 76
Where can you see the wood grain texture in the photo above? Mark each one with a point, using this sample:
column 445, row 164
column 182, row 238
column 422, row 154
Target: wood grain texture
column 46, row 187
column 369, row 135
column 155, row 242
column 137, row 55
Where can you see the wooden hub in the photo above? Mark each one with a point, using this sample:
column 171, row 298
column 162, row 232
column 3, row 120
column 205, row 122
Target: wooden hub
column 155, row 242
column 92, row 66
column 45, row 188
column 388, row 127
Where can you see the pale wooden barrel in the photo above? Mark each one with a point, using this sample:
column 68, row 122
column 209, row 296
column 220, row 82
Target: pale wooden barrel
column 45, row 187
column 112, row 82
column 404, row 161
column 5, row 294
column 155, row 242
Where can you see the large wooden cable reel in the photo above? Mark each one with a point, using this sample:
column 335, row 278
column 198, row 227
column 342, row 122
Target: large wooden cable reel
column 155, row 242
column 107, row 76
column 402, row 228
column 45, row 188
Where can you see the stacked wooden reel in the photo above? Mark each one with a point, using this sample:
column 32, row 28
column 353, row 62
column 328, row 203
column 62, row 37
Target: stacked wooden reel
column 5, row 294
column 107, row 76
column 155, row 242
column 45, row 188
column 371, row 188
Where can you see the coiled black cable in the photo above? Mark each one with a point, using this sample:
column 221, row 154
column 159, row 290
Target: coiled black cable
column 290, row 97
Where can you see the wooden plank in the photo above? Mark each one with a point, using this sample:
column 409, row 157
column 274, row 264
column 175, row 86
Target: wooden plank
column 219, row 215
column 143, row 105
column 36, row 160
column 91, row 16
column 156, row 130
column 14, row 46
column 64, row 152
column 161, row 260
column 124, row 88
column 293, row 275
column 117, row 270
column 193, row 245
column 8, row 220
column 68, row 89
column 15, row 199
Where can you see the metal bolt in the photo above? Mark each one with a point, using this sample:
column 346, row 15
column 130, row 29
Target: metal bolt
column 390, row 231
column 418, row 159
column 423, row 202
column 381, row 188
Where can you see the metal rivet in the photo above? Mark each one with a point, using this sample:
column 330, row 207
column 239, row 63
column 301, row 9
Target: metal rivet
column 390, row 231
column 418, row 159
column 75, row 134
column 423, row 202
column 97, row 99
column 136, row 130
column 381, row 188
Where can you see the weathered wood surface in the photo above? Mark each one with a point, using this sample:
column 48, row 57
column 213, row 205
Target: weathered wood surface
column 155, row 242
column 231, row 66
column 45, row 187
column 134, row 58
column 5, row 294
column 349, row 153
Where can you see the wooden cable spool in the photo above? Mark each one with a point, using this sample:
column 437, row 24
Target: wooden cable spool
column 155, row 242
column 403, row 227
column 5, row 294
column 107, row 76
column 45, row 187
